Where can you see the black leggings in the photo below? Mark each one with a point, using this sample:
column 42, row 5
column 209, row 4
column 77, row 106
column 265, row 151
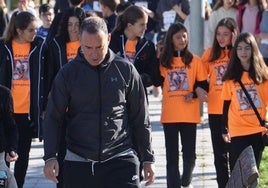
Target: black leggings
column 220, row 150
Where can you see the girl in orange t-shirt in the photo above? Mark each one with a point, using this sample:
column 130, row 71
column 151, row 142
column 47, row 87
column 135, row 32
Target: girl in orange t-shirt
column 23, row 70
column 64, row 46
column 244, row 129
column 181, row 72
column 215, row 60
column 128, row 41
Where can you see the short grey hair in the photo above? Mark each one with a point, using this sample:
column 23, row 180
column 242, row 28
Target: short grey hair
column 93, row 25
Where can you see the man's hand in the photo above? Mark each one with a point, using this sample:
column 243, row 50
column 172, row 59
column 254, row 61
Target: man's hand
column 11, row 156
column 51, row 170
column 149, row 174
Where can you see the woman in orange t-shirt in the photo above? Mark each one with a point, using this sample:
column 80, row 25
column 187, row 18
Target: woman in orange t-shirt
column 244, row 129
column 215, row 60
column 181, row 72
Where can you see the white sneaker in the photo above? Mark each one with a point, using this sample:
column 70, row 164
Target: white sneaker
column 189, row 186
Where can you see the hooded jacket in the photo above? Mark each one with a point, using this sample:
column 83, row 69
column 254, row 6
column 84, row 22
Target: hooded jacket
column 106, row 109
column 38, row 79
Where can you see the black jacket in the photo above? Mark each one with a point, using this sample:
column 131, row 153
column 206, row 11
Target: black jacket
column 8, row 128
column 38, row 79
column 145, row 59
column 105, row 105
column 57, row 58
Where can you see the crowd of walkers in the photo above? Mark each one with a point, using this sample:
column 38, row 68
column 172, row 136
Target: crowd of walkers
column 75, row 75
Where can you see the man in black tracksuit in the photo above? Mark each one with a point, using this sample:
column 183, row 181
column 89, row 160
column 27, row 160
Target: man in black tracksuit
column 106, row 106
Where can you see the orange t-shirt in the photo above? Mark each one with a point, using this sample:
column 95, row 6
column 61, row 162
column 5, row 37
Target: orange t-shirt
column 179, row 81
column 215, row 71
column 130, row 50
column 71, row 49
column 21, row 79
column 241, row 117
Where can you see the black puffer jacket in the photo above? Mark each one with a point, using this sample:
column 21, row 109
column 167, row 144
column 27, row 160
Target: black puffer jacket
column 106, row 107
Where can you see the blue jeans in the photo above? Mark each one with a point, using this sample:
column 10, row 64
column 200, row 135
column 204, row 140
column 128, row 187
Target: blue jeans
column 121, row 171
column 188, row 140
column 220, row 150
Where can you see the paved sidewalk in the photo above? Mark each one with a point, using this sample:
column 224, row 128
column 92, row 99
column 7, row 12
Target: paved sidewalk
column 204, row 172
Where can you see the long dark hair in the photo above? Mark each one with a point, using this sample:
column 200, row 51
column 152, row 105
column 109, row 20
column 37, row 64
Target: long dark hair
column 258, row 70
column 168, row 49
column 70, row 12
column 3, row 21
column 230, row 24
column 131, row 15
column 18, row 20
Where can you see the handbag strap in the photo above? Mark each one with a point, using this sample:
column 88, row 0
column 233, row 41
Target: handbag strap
column 251, row 102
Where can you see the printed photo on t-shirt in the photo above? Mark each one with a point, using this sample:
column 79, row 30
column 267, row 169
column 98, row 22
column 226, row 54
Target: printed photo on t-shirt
column 21, row 69
column 219, row 70
column 178, row 80
column 243, row 100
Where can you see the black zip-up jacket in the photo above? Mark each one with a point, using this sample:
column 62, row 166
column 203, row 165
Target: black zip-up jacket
column 106, row 108
column 38, row 78
column 145, row 59
column 57, row 58
column 8, row 128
